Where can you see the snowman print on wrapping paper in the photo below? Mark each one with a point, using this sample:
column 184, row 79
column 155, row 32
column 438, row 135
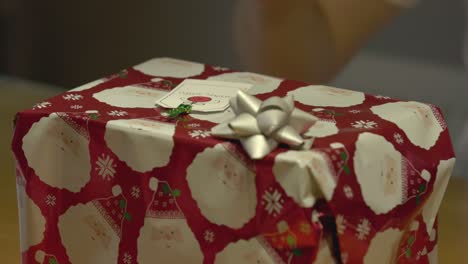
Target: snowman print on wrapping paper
column 32, row 222
column 91, row 232
column 320, row 95
column 142, row 95
column 143, row 144
column 262, row 83
column 383, row 247
column 168, row 67
column 54, row 149
column 386, row 178
column 165, row 237
column 223, row 186
column 418, row 121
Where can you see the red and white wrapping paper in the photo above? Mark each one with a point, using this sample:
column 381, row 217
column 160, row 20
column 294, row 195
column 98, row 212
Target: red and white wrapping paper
column 103, row 176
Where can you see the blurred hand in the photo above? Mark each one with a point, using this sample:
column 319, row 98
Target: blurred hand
column 308, row 40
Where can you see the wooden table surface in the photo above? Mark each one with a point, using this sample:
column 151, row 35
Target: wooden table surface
column 453, row 225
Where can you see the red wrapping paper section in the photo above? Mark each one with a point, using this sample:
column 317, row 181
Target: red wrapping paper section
column 103, row 176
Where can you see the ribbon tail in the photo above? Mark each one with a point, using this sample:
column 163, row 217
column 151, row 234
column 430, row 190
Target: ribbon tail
column 258, row 146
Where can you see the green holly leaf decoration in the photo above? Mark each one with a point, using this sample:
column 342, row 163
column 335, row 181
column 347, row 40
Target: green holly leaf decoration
column 408, row 252
column 182, row 109
column 93, row 116
column 176, row 193
column 418, row 199
column 346, row 169
column 127, row 216
column 53, row 261
column 422, row 188
column 411, row 240
column 122, row 204
column 165, row 188
column 343, row 156
column 297, row 252
column 291, row 241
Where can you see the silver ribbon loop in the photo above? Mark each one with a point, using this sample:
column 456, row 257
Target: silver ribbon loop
column 262, row 126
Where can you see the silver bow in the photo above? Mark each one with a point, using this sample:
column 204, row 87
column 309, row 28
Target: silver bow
column 261, row 126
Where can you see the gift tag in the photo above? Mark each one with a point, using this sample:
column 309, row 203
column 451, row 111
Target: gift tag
column 202, row 95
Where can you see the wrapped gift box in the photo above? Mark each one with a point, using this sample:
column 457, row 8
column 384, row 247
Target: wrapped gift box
column 105, row 176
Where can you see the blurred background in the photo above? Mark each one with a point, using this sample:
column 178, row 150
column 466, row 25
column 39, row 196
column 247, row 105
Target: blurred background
column 49, row 46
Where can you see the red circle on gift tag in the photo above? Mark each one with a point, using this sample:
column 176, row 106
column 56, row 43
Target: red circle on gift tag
column 199, row 99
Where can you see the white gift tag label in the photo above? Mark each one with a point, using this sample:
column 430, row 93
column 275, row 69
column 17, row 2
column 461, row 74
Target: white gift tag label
column 203, row 95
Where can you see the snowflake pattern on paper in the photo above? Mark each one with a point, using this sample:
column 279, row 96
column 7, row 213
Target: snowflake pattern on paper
column 117, row 113
column 367, row 124
column 340, row 224
column 209, row 236
column 72, row 97
column 127, row 258
column 41, row 105
column 106, row 167
column 76, row 107
column 398, row 138
column 363, row 229
column 135, row 192
column 355, row 111
column 348, row 192
column 273, row 202
column 199, row 134
column 50, row 200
